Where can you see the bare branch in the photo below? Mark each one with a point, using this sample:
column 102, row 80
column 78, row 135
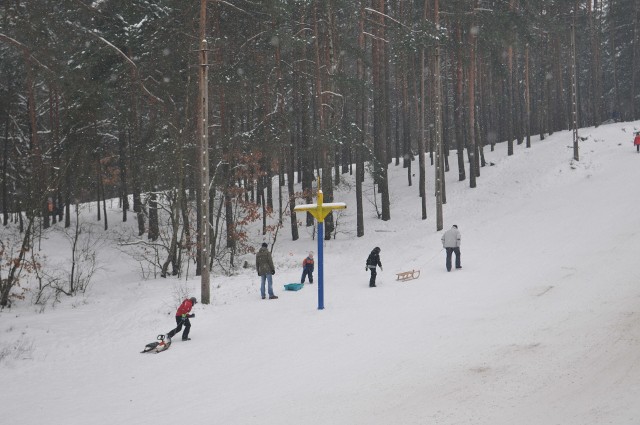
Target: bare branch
column 26, row 50
column 140, row 242
column 234, row 6
column 374, row 37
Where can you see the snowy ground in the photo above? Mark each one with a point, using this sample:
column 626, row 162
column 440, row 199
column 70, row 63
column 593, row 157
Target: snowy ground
column 541, row 326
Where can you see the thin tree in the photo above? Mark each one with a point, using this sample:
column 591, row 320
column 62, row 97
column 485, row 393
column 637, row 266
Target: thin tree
column 361, row 112
column 459, row 104
column 527, row 96
column 421, row 126
column 635, row 45
column 379, row 105
column 510, row 78
column 473, row 31
column 439, row 177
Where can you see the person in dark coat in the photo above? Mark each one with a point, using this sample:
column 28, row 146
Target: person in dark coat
column 451, row 242
column 182, row 318
column 266, row 270
column 373, row 261
column 307, row 268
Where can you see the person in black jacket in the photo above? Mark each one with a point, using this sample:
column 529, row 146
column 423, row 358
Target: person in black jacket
column 372, row 262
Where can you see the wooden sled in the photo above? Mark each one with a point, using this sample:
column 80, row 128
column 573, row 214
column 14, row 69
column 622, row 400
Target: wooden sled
column 410, row 275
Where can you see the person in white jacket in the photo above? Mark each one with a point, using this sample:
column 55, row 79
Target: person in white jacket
column 451, row 242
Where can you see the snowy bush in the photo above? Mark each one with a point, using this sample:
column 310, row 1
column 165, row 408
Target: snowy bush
column 20, row 349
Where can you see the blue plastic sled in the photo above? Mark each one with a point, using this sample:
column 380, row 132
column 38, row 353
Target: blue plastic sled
column 293, row 286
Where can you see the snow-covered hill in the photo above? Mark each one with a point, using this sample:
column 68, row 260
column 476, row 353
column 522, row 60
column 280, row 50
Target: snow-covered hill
column 541, row 326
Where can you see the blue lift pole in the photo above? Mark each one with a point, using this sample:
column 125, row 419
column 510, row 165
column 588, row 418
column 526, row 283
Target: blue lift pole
column 320, row 266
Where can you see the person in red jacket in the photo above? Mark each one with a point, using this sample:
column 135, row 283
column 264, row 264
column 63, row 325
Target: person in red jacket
column 636, row 141
column 307, row 268
column 182, row 318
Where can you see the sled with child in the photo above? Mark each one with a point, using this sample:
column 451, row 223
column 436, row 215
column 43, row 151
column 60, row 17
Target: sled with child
column 163, row 344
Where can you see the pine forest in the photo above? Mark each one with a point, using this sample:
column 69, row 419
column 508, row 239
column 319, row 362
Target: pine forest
column 188, row 110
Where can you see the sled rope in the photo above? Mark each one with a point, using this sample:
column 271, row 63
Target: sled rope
column 434, row 256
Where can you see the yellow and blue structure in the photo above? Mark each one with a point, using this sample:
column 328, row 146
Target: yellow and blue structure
column 319, row 211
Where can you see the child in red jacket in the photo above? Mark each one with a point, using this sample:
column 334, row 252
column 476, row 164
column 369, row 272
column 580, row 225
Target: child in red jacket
column 307, row 268
column 182, row 318
column 636, row 141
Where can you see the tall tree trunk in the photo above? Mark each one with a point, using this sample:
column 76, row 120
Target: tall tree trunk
column 291, row 189
column 138, row 207
column 527, row 96
column 67, row 193
column 37, row 201
column 104, row 206
column 510, row 77
column 184, row 208
column 545, row 121
column 472, row 107
column 459, row 106
column 406, row 123
column 595, row 75
column 396, row 134
column 437, row 112
column 154, row 230
column 325, row 182
column 174, row 216
column 481, row 120
column 98, row 187
column 361, row 112
column 331, row 62
column 98, row 167
column 380, row 115
column 54, row 164
column 230, row 220
column 122, row 162
column 5, row 154
column 384, row 184
column 562, row 119
column 438, row 141
column 421, row 127
column 136, row 148
column 618, row 111
column 635, row 62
